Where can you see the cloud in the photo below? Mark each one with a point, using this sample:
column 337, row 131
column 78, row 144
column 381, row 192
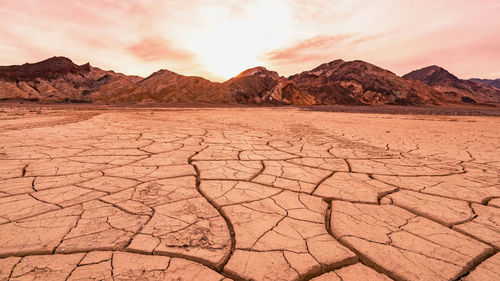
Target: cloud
column 158, row 49
column 199, row 36
column 309, row 49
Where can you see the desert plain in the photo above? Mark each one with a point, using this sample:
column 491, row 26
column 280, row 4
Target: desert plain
column 247, row 194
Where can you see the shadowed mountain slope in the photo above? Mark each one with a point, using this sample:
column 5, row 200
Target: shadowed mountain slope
column 454, row 88
column 495, row 83
column 361, row 82
column 58, row 79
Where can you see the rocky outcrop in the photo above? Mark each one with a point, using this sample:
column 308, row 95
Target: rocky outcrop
column 453, row 88
column 495, row 83
column 253, row 86
column 166, row 86
column 358, row 82
column 261, row 86
column 57, row 79
column 316, row 83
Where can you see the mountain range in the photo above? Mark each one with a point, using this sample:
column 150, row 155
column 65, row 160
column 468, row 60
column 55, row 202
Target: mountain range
column 489, row 82
column 58, row 79
column 453, row 88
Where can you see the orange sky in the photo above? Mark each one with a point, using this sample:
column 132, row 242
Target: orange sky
column 219, row 39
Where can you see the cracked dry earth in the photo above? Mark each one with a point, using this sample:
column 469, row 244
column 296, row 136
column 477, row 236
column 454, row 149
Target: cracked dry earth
column 250, row 194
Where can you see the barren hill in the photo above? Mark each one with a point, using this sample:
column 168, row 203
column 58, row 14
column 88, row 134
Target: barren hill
column 167, row 86
column 363, row 83
column 454, row 88
column 495, row 83
column 57, row 79
column 261, row 86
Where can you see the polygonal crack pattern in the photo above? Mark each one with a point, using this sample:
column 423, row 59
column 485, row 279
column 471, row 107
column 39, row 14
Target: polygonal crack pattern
column 211, row 195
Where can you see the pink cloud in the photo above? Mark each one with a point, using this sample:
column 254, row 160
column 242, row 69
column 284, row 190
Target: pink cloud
column 306, row 50
column 157, row 49
column 139, row 37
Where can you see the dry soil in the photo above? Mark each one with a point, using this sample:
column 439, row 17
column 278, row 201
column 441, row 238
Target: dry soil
column 247, row 194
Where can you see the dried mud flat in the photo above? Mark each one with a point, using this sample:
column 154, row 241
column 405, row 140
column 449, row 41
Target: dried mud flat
column 247, row 194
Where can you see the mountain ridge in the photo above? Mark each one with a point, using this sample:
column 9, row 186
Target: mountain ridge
column 455, row 89
column 56, row 79
column 356, row 82
column 488, row 82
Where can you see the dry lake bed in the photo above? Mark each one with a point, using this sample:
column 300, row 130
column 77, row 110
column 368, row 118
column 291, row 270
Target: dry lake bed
column 247, row 194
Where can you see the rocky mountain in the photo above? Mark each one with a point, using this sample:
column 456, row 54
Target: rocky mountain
column 337, row 82
column 453, row 88
column 358, row 82
column 166, row 86
column 316, row 82
column 253, row 86
column 261, row 86
column 57, row 79
column 495, row 83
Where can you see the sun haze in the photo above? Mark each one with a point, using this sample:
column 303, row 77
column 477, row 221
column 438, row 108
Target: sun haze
column 219, row 39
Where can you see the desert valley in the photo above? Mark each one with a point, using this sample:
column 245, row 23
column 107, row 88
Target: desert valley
column 264, row 140
column 273, row 193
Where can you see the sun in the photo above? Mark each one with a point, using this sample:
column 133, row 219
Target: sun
column 227, row 52
column 232, row 43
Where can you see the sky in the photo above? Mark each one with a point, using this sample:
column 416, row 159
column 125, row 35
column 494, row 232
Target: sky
column 217, row 39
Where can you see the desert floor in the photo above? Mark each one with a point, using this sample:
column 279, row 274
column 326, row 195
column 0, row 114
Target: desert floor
column 247, row 194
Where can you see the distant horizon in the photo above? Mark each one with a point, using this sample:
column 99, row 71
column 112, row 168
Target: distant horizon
column 219, row 39
column 286, row 76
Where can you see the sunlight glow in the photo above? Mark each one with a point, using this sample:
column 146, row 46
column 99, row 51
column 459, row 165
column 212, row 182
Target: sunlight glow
column 234, row 43
column 217, row 39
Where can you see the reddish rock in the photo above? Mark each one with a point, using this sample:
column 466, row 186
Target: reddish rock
column 453, row 87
